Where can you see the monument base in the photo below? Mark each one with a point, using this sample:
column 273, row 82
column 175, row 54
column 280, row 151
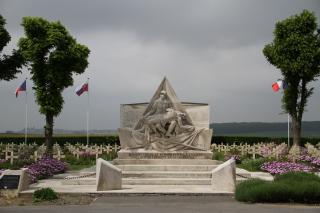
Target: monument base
column 153, row 154
column 199, row 140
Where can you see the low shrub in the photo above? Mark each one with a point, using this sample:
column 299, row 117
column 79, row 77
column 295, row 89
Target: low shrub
column 218, row 156
column 44, row 194
column 252, row 165
column 291, row 187
column 18, row 164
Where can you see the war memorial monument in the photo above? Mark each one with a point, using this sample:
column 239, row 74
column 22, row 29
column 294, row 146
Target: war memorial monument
column 165, row 142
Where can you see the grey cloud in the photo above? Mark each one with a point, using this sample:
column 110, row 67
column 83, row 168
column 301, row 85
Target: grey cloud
column 211, row 51
column 203, row 23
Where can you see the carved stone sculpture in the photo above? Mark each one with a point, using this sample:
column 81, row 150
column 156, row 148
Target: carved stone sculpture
column 165, row 126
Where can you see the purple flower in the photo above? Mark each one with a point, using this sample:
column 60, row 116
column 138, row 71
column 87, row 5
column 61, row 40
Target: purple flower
column 237, row 158
column 284, row 167
column 45, row 167
column 87, row 154
column 1, row 170
column 2, row 161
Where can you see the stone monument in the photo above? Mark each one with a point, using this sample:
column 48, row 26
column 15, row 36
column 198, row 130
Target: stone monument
column 165, row 129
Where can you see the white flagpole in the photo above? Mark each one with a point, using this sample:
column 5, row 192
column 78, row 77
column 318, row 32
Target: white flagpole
column 26, row 126
column 88, row 106
column 288, row 130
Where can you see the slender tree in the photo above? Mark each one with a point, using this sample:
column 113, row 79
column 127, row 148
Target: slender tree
column 53, row 56
column 9, row 65
column 295, row 51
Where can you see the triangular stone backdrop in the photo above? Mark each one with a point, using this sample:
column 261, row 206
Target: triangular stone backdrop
column 171, row 96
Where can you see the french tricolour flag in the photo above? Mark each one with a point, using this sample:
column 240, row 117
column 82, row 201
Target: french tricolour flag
column 21, row 88
column 280, row 84
column 82, row 88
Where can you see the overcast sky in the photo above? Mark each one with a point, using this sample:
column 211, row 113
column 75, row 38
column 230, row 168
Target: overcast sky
column 211, row 52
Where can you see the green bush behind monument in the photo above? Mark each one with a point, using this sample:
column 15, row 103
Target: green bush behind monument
column 114, row 139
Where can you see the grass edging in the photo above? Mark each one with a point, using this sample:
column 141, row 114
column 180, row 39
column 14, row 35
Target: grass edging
column 293, row 187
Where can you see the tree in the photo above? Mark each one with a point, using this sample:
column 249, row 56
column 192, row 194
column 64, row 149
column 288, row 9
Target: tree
column 9, row 65
column 53, row 56
column 295, row 50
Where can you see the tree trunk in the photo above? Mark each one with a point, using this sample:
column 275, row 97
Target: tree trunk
column 296, row 131
column 48, row 129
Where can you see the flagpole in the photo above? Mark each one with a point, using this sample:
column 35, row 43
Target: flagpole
column 288, row 130
column 26, row 126
column 88, row 106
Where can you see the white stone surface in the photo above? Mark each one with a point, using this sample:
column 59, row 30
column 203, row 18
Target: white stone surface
column 131, row 113
column 108, row 177
column 24, row 182
column 224, row 176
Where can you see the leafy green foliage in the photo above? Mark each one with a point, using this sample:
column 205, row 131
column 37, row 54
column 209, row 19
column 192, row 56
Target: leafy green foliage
column 252, row 140
column 44, row 194
column 62, row 139
column 295, row 50
column 252, row 165
column 218, row 156
column 114, row 139
column 54, row 56
column 9, row 65
column 296, row 187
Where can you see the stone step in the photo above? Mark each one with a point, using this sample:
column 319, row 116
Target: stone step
column 149, row 181
column 166, row 167
column 166, row 181
column 144, row 181
column 81, row 181
column 165, row 162
column 165, row 174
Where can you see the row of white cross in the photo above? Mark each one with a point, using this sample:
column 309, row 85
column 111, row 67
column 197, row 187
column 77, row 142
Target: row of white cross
column 79, row 149
column 11, row 151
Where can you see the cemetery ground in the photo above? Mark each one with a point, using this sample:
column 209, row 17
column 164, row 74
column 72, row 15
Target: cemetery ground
column 265, row 161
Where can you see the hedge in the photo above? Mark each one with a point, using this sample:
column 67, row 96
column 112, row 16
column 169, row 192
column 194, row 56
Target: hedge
column 112, row 139
column 62, row 139
column 295, row 187
column 253, row 140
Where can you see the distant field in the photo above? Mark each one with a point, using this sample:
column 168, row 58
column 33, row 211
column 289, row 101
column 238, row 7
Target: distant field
column 270, row 134
column 259, row 129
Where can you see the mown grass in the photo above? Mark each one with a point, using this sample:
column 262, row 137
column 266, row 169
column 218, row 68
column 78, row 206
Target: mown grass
column 297, row 187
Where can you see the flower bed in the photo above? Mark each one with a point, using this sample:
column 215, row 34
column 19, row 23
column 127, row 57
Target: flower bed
column 313, row 160
column 46, row 167
column 275, row 167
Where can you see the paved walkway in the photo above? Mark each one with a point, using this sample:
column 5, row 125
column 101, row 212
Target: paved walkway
column 57, row 185
column 166, row 204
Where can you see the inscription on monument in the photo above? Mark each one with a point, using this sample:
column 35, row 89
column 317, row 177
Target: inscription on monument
column 167, row 155
column 9, row 182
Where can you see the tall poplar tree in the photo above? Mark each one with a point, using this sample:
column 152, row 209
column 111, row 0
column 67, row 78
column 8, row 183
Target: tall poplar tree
column 295, row 51
column 53, row 56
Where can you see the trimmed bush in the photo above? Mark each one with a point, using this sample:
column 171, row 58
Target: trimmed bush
column 112, row 139
column 253, row 140
column 295, row 187
column 44, row 194
column 62, row 139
